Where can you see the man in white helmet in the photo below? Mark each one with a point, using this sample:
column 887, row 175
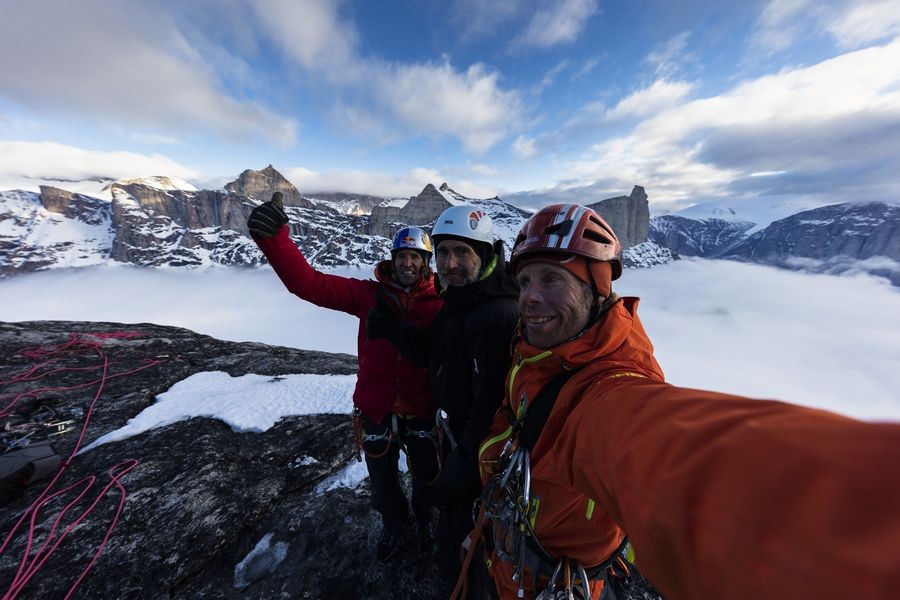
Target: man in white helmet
column 392, row 403
column 466, row 350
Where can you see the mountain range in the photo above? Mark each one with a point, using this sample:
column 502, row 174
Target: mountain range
column 162, row 222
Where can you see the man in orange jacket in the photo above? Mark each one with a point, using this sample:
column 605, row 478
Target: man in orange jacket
column 720, row 496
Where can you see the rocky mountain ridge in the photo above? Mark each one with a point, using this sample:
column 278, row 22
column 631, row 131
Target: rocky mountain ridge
column 849, row 237
column 153, row 223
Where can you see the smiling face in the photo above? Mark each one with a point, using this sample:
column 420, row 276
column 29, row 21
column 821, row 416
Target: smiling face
column 408, row 267
column 457, row 263
column 554, row 304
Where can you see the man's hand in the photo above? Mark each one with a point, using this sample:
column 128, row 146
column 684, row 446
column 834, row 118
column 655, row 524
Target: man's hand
column 458, row 484
column 268, row 218
column 445, row 498
column 381, row 321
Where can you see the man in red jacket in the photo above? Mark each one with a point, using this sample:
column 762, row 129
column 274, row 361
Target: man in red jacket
column 393, row 404
column 721, row 496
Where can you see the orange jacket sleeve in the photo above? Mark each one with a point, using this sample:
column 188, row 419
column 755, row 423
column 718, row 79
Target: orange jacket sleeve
column 728, row 497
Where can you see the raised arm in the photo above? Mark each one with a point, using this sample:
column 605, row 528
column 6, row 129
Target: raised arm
column 268, row 227
column 728, row 497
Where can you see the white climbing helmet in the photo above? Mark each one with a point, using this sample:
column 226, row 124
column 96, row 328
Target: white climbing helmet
column 464, row 221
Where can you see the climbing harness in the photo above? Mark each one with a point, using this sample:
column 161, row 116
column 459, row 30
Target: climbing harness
column 362, row 437
column 393, row 432
column 509, row 509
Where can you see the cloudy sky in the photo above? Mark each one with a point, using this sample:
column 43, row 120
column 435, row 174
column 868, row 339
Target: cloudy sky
column 532, row 99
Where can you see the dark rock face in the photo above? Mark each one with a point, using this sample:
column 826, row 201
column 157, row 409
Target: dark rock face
column 173, row 227
column 830, row 239
column 629, row 216
column 260, row 185
column 421, row 209
column 201, row 495
column 857, row 231
column 75, row 206
column 697, row 237
column 149, row 225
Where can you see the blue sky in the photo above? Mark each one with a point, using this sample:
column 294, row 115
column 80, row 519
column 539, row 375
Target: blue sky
column 534, row 100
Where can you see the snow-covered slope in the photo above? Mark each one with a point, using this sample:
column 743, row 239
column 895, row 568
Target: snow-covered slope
column 35, row 238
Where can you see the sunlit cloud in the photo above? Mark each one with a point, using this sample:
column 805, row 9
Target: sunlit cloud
column 865, row 22
column 779, row 24
column 524, row 147
column 313, row 35
column 376, row 183
column 831, row 123
column 153, row 139
column 668, row 59
column 117, row 74
column 556, row 23
column 436, row 99
column 393, row 99
column 50, row 160
column 645, row 102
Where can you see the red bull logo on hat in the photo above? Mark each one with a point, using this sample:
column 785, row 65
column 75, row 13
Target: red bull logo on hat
column 474, row 217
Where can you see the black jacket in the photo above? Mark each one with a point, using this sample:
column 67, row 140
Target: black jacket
column 467, row 351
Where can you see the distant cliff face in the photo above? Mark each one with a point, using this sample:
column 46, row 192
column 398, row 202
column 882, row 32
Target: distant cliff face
column 151, row 222
column 629, row 216
column 694, row 237
column 834, row 239
column 260, row 185
column 422, row 209
column 859, row 231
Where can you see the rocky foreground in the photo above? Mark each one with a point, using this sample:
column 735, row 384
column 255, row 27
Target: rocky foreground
column 201, row 496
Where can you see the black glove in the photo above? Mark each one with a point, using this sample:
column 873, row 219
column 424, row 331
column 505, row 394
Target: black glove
column 459, row 483
column 445, row 498
column 267, row 219
column 381, row 321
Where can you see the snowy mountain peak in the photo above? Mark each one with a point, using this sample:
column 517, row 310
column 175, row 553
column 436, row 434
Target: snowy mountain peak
column 159, row 182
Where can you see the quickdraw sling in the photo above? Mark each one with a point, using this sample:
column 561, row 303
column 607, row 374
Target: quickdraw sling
column 510, row 511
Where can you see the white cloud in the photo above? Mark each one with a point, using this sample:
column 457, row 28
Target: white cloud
column 373, row 183
column 556, row 23
column 668, row 59
column 588, row 66
column 436, row 99
column 866, row 22
column 388, row 99
column 93, row 61
column 152, row 138
column 642, row 103
column 524, row 147
column 482, row 169
column 376, row 183
column 825, row 122
column 46, row 160
column 768, row 333
column 753, row 330
column 779, row 24
column 312, row 33
column 477, row 18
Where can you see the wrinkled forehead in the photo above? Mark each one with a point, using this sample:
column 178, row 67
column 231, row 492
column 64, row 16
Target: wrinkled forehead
column 407, row 252
column 542, row 265
column 454, row 245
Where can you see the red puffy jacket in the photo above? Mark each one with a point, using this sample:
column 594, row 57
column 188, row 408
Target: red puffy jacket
column 387, row 382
